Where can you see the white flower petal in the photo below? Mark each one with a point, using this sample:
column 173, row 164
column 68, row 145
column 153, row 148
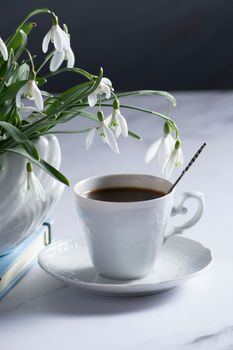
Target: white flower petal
column 3, row 50
column 66, row 40
column 45, row 43
column 110, row 138
column 19, row 95
column 92, row 99
column 180, row 157
column 118, row 131
column 170, row 164
column 122, row 124
column 108, row 119
column 166, row 148
column 3, row 138
column 90, row 137
column 108, row 94
column 58, row 37
column 56, row 61
column 152, row 150
column 37, row 96
column 106, row 81
column 103, row 88
column 70, row 58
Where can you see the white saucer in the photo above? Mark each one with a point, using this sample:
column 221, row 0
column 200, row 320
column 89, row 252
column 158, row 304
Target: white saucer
column 180, row 259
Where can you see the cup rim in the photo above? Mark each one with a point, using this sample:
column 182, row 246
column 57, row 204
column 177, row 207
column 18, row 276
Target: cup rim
column 91, row 200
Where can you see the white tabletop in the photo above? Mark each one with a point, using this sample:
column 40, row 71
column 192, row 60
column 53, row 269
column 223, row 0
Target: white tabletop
column 43, row 313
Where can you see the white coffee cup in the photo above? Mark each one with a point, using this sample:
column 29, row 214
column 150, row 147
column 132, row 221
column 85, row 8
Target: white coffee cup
column 124, row 238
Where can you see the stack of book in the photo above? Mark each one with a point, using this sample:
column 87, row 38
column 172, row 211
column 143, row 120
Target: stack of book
column 16, row 264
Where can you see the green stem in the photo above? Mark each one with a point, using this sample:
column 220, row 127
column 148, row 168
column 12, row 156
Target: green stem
column 47, row 58
column 34, row 13
column 30, row 58
column 169, row 120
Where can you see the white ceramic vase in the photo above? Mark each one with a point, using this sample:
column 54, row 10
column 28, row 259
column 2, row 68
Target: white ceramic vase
column 20, row 215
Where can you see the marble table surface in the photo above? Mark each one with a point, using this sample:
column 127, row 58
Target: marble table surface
column 43, row 313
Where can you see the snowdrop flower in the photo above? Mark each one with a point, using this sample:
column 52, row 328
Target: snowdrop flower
column 59, row 57
column 175, row 159
column 162, row 148
column 116, row 120
column 3, row 50
column 57, row 36
column 105, row 87
column 33, row 185
column 104, row 132
column 66, row 54
column 31, row 91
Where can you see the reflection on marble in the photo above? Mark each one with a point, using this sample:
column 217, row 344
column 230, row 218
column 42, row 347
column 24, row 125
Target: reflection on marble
column 222, row 339
column 198, row 315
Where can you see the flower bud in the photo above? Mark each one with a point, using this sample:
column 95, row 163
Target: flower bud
column 100, row 116
column 177, row 144
column 32, row 75
column 116, row 104
column 166, row 128
column 29, row 167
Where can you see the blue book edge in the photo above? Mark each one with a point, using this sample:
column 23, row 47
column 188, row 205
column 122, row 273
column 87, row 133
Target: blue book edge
column 15, row 280
column 7, row 261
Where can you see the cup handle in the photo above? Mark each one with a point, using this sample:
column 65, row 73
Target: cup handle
column 179, row 208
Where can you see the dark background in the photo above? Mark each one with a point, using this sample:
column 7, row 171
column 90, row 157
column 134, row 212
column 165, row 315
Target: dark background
column 157, row 44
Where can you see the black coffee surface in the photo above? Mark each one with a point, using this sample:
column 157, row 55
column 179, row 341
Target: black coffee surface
column 124, row 194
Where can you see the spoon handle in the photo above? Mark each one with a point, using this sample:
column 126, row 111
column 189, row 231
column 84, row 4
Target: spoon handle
column 188, row 166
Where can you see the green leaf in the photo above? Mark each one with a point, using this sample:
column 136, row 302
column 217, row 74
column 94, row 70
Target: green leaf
column 74, row 93
column 54, row 172
column 82, row 131
column 27, row 27
column 64, row 101
column 88, row 115
column 18, row 40
column 14, row 40
column 21, row 73
column 165, row 94
column 21, row 139
column 91, row 87
column 42, row 164
column 22, row 44
column 14, row 117
column 134, row 135
column 41, row 81
column 11, row 91
column 9, row 69
column 91, row 116
column 33, row 13
column 72, row 70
